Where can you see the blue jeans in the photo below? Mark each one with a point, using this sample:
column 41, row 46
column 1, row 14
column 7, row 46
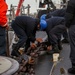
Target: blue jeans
column 2, row 41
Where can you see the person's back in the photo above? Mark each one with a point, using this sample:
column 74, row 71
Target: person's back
column 24, row 20
column 55, row 21
column 26, row 23
column 57, row 12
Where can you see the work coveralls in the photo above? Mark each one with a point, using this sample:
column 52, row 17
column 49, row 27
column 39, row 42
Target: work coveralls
column 25, row 28
column 58, row 13
column 70, row 23
column 55, row 27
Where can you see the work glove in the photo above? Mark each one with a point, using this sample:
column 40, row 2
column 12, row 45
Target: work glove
column 33, row 45
column 39, row 40
column 49, row 48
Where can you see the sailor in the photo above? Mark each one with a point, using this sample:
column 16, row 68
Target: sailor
column 3, row 26
column 25, row 28
column 54, row 27
column 70, row 24
column 59, row 13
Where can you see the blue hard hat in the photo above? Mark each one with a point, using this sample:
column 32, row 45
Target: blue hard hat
column 43, row 24
column 43, row 17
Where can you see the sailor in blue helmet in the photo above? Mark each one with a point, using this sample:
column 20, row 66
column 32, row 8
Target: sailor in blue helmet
column 54, row 27
column 57, row 13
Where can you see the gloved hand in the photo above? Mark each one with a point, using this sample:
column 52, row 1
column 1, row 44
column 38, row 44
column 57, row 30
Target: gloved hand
column 39, row 40
column 33, row 45
column 49, row 48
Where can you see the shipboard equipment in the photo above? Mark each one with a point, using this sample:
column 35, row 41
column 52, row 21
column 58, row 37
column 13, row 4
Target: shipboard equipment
column 5, row 64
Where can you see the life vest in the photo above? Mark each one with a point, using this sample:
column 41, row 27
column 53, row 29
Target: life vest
column 3, row 11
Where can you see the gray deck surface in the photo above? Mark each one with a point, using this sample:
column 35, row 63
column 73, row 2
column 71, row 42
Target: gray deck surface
column 44, row 64
column 65, row 63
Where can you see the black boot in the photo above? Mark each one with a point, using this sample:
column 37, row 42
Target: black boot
column 59, row 45
column 27, row 49
column 71, row 70
column 15, row 53
column 56, row 49
column 15, row 50
column 65, row 40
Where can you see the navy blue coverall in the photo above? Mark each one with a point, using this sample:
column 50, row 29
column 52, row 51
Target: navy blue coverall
column 55, row 27
column 70, row 23
column 25, row 28
column 58, row 13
